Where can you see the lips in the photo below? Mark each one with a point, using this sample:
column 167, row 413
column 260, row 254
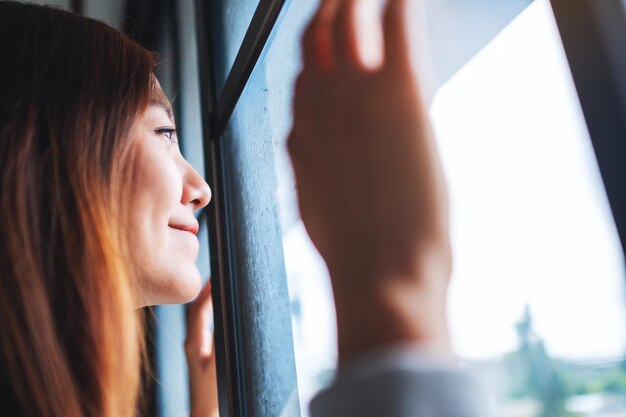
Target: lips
column 191, row 228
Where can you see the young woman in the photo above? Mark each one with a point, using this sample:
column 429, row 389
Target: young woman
column 97, row 211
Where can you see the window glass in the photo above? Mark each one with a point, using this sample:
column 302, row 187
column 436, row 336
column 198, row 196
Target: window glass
column 260, row 297
column 312, row 309
column 537, row 297
column 230, row 20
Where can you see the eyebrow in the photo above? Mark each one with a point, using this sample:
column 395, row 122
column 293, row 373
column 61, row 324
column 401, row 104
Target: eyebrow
column 165, row 106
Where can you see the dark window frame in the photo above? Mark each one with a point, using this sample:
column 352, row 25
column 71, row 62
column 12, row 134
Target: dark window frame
column 235, row 376
column 598, row 65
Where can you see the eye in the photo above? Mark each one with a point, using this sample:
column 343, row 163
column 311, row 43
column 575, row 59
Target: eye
column 169, row 133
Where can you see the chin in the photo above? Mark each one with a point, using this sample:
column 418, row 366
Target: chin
column 186, row 289
column 176, row 288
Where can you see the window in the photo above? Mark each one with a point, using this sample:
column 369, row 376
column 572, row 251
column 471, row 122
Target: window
column 537, row 299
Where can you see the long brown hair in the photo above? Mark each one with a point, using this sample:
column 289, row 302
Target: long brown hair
column 70, row 89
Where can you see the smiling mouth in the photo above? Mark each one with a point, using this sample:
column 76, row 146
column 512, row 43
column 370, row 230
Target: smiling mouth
column 191, row 229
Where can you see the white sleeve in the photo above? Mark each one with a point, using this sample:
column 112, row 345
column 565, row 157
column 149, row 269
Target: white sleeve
column 402, row 382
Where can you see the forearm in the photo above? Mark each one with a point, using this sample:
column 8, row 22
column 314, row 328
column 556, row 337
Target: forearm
column 375, row 322
column 391, row 305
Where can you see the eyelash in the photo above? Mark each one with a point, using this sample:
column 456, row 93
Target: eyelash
column 169, row 133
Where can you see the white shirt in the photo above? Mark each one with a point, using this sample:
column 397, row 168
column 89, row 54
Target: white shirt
column 402, row 381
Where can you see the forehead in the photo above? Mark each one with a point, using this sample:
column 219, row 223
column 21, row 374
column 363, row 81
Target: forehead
column 158, row 99
column 165, row 106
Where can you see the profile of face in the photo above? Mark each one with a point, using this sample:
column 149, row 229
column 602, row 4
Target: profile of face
column 163, row 229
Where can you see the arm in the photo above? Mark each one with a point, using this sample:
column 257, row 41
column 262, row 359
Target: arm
column 373, row 198
column 371, row 189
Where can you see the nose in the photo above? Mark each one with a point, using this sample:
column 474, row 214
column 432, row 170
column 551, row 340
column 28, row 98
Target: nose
column 196, row 191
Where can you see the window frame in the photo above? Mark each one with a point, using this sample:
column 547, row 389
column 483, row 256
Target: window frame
column 598, row 66
column 234, row 376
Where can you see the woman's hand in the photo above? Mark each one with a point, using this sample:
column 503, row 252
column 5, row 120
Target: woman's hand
column 371, row 189
column 201, row 357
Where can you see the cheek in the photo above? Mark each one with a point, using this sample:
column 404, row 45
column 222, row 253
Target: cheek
column 157, row 185
column 158, row 178
column 156, row 192
column 164, row 257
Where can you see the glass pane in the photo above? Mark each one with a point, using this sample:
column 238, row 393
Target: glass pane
column 458, row 29
column 312, row 309
column 537, row 297
column 536, row 303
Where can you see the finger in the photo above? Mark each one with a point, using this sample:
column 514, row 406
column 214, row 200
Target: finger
column 344, row 35
column 302, row 101
column 199, row 342
column 358, row 34
column 317, row 44
column 206, row 353
column 197, row 320
column 369, row 36
column 200, row 306
column 202, row 298
column 396, row 33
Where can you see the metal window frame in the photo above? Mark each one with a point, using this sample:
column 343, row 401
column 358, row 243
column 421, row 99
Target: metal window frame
column 216, row 109
column 77, row 6
column 227, row 340
column 254, row 41
column 593, row 33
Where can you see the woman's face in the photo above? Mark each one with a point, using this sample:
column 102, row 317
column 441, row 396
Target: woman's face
column 163, row 229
